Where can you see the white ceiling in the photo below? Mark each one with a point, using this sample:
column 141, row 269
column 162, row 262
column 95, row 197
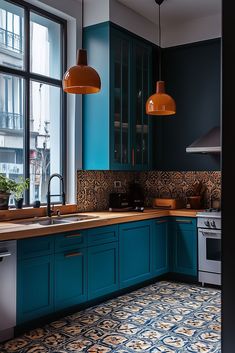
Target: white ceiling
column 176, row 11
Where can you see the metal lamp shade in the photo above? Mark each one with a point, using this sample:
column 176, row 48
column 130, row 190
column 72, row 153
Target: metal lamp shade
column 81, row 78
column 160, row 103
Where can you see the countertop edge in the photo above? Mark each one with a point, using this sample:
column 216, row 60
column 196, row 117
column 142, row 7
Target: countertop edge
column 12, row 231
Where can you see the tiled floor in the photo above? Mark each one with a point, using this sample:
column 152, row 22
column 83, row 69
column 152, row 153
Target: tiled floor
column 163, row 317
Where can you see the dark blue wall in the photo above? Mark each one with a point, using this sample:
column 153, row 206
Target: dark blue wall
column 192, row 75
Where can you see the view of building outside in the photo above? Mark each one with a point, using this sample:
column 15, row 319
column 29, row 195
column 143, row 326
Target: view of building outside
column 44, row 120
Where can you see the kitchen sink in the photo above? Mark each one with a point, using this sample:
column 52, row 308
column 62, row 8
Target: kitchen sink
column 77, row 217
column 58, row 220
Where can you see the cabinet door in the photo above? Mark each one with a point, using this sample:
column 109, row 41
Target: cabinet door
column 120, row 81
column 135, row 252
column 142, row 82
column 184, row 244
column 102, row 270
column 70, row 278
column 160, row 261
column 35, row 288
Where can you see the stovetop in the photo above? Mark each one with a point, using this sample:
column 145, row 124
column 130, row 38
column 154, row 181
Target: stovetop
column 210, row 213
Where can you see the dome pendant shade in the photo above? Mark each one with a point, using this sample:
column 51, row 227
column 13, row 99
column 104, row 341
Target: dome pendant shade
column 81, row 78
column 160, row 103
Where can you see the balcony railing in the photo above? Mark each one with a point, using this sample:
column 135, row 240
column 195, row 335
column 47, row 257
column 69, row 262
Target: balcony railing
column 11, row 41
column 12, row 121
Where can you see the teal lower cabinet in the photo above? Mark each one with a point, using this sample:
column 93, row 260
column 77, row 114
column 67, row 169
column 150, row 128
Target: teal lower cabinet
column 70, row 278
column 102, row 269
column 135, row 252
column 183, row 234
column 160, row 258
column 35, row 278
column 64, row 270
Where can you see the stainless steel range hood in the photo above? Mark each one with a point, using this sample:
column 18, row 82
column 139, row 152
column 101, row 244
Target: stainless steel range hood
column 208, row 143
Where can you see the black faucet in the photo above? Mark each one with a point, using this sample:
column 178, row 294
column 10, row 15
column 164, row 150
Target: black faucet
column 49, row 210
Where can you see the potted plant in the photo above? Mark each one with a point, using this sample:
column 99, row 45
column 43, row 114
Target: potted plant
column 18, row 191
column 6, row 186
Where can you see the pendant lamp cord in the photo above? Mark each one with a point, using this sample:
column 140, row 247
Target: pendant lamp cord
column 159, row 44
column 82, row 21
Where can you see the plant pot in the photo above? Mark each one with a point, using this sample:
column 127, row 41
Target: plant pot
column 19, row 202
column 4, row 200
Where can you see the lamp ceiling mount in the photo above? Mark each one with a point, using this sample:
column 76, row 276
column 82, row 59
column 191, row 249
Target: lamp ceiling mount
column 159, row 2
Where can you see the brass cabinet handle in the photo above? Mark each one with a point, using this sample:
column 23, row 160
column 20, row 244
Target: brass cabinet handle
column 162, row 221
column 73, row 254
column 183, row 221
column 73, row 235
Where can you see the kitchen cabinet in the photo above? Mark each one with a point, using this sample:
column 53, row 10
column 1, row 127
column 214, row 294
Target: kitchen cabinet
column 183, row 249
column 125, row 67
column 103, row 276
column 70, row 278
column 102, row 269
column 35, row 287
column 160, row 245
column 60, row 271
column 135, row 252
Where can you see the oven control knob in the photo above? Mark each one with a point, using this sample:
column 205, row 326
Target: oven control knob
column 207, row 223
column 213, row 225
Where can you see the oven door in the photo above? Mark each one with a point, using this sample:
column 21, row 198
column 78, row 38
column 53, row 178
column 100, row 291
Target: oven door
column 209, row 250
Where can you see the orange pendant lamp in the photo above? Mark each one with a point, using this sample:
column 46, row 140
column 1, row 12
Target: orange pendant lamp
column 160, row 103
column 81, row 78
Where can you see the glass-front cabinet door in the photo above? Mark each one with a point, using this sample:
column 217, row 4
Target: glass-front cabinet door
column 142, row 82
column 120, row 101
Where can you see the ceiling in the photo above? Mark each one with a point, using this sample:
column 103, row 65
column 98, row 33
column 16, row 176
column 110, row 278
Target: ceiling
column 175, row 10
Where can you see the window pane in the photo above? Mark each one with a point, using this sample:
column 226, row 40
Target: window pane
column 45, row 46
column 11, row 126
column 11, row 35
column 45, row 139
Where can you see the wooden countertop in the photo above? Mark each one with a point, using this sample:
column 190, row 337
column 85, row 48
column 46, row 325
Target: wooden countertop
column 12, row 231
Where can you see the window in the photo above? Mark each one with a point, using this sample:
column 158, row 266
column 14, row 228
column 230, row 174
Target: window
column 32, row 102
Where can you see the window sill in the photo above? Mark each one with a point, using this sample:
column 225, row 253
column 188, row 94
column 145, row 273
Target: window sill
column 28, row 212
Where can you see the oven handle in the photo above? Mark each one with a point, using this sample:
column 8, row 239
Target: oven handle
column 211, row 233
column 4, row 254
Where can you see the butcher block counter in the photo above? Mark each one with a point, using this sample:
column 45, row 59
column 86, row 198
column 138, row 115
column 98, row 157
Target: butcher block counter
column 17, row 229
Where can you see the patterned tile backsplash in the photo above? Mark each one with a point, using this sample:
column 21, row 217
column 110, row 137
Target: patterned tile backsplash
column 94, row 187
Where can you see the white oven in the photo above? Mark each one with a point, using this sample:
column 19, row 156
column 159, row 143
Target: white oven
column 209, row 249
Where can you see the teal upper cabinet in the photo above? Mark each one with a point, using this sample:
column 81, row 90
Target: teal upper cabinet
column 142, row 82
column 116, row 130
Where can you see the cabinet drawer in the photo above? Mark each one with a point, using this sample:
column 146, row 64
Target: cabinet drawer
column 34, row 247
column 184, row 223
column 71, row 240
column 102, row 235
